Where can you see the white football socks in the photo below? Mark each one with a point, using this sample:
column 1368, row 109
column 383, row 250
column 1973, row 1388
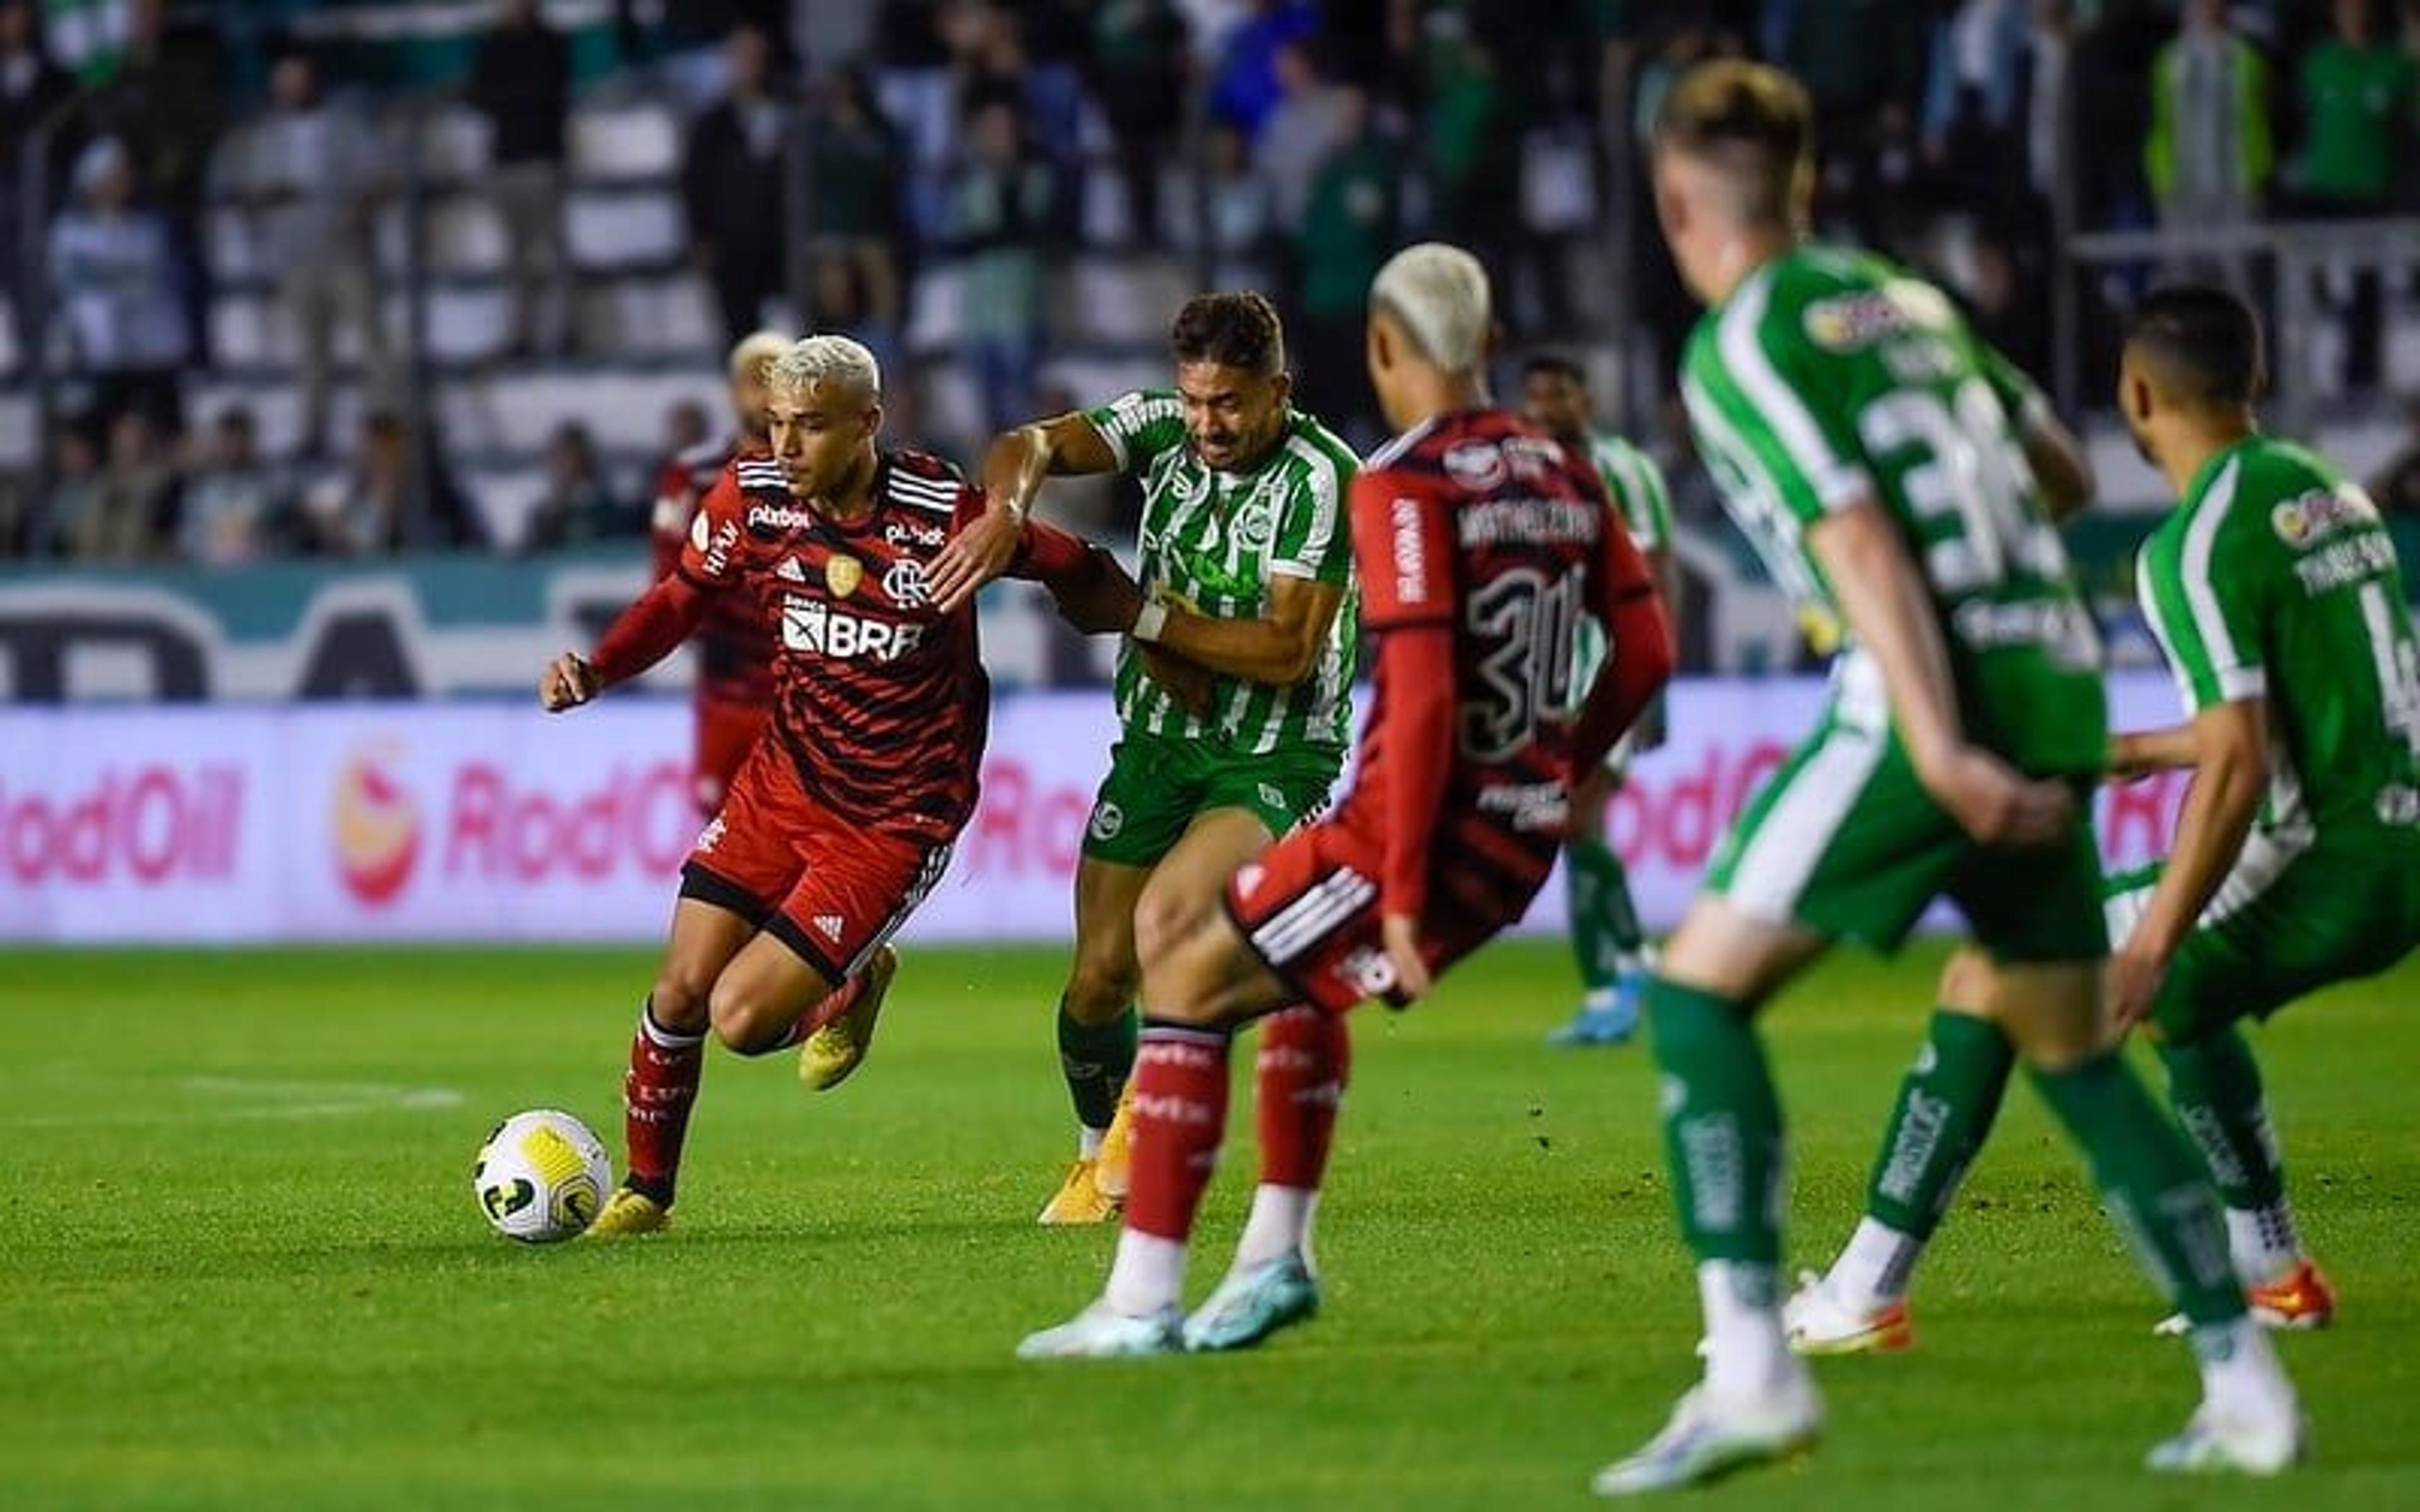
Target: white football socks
column 2264, row 1242
column 1875, row 1266
column 1745, row 1354
column 1279, row 1225
column 2239, row 1374
column 1147, row 1276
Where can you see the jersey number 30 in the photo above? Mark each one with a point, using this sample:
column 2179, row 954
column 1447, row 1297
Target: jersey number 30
column 1527, row 627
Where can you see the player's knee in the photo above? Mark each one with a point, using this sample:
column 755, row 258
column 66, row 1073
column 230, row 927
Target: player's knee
column 1103, row 983
column 679, row 1002
column 1165, row 918
column 742, row 1017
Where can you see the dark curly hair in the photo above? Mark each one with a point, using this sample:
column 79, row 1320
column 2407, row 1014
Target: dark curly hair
column 1238, row 330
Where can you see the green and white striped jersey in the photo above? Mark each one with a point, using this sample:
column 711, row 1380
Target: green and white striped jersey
column 2275, row 580
column 1215, row 540
column 1828, row 376
column 1636, row 484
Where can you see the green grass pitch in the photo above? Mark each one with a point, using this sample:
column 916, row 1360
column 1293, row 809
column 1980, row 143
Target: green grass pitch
column 241, row 1266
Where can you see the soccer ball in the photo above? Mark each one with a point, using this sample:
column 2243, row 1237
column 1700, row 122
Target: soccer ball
column 541, row 1177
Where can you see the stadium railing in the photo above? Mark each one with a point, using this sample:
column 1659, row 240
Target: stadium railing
column 2280, row 263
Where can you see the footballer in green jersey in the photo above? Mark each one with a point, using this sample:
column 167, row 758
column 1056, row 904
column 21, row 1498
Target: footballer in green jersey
column 1893, row 469
column 2274, row 592
column 1233, row 688
column 1607, row 942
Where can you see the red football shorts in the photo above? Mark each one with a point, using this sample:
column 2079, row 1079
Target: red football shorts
column 829, row 888
column 725, row 733
column 1308, row 907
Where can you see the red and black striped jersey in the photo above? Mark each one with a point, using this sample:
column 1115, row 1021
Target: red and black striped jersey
column 1482, row 524
column 881, row 701
column 735, row 650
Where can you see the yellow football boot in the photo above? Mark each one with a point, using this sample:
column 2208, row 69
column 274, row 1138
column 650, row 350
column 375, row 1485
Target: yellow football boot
column 837, row 1049
column 1115, row 1168
column 1080, row 1200
column 627, row 1213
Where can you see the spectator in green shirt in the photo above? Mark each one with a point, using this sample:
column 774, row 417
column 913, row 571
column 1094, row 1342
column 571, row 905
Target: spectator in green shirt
column 1348, row 229
column 2356, row 91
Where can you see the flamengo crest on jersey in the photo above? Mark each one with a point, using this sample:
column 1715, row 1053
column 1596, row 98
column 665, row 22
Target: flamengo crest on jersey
column 881, row 701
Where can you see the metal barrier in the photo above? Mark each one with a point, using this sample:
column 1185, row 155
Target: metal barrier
column 2276, row 263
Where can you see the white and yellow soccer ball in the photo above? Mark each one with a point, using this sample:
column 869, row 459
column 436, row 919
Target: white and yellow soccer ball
column 541, row 1177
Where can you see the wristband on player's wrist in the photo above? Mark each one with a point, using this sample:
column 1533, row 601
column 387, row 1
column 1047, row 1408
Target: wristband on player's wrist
column 1150, row 624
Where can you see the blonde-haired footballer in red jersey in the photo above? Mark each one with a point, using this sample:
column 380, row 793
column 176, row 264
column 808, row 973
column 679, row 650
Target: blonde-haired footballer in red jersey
column 733, row 696
column 842, row 816
column 1481, row 543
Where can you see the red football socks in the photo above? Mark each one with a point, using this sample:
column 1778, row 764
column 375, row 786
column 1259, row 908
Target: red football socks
column 1180, row 1102
column 656, row 1095
column 1305, row 1059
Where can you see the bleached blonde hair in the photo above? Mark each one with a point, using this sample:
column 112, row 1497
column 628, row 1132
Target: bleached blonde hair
column 843, row 364
column 756, row 353
column 1438, row 294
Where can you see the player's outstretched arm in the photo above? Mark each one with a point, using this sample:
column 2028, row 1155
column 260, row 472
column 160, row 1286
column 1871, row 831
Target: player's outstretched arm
column 1013, row 469
column 642, row 636
column 1282, row 647
column 1890, row 614
column 1094, row 591
column 2232, row 749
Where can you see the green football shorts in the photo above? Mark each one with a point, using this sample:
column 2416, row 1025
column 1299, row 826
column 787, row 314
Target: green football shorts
column 1845, row 842
column 2290, row 919
column 1156, row 788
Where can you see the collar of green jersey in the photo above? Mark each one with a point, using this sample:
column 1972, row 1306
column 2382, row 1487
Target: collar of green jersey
column 2218, row 459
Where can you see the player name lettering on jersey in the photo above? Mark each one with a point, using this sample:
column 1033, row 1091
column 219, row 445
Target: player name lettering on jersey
column 816, row 628
column 1410, row 551
column 2346, row 562
column 1500, row 521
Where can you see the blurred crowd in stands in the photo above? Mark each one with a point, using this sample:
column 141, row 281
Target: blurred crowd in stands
column 1285, row 144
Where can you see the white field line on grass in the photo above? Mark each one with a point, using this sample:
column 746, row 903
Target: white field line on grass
column 223, row 1098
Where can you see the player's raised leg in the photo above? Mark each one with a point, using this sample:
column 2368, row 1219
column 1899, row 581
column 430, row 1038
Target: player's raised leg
column 1723, row 1144
column 1097, row 1025
column 1199, row 990
column 667, row 1056
column 1945, row 1110
column 858, row 886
